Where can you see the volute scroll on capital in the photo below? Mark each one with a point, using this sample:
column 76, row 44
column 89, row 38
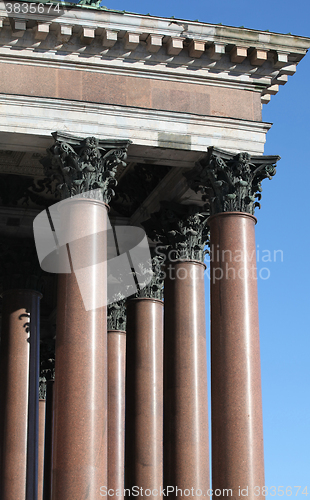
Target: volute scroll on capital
column 80, row 165
column 153, row 286
column 231, row 182
column 180, row 231
column 116, row 314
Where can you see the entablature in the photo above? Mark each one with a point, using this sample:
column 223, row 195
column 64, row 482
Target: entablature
column 148, row 46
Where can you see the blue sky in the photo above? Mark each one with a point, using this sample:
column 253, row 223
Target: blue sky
column 283, row 224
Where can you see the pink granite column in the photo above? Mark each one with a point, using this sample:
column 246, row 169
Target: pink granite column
column 237, row 430
column 80, row 439
column 72, row 239
column 20, row 322
column 144, row 396
column 116, row 411
column 231, row 186
column 186, row 440
column 42, row 405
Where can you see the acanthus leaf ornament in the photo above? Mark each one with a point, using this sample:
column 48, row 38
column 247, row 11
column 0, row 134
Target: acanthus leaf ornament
column 116, row 314
column 180, row 231
column 231, row 182
column 82, row 165
column 153, row 285
column 47, row 364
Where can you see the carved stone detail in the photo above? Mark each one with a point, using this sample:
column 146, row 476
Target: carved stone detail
column 231, row 183
column 117, row 315
column 180, row 231
column 81, row 165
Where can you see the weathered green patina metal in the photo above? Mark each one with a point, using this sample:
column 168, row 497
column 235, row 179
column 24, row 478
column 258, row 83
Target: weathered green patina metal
column 93, row 3
column 47, row 364
column 154, row 287
column 231, row 182
column 117, row 315
column 180, row 231
column 81, row 165
column 88, row 4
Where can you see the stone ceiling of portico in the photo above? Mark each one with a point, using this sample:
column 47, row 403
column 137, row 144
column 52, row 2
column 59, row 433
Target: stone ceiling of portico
column 25, row 191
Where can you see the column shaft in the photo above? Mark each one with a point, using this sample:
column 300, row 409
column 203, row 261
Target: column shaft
column 237, row 433
column 33, row 409
column 116, row 411
column 186, row 442
column 42, row 407
column 80, row 438
column 144, row 395
column 19, row 322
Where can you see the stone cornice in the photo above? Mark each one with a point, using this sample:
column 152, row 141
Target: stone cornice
column 158, row 46
column 145, row 24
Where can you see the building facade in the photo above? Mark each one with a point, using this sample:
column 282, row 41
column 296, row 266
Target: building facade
column 162, row 119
